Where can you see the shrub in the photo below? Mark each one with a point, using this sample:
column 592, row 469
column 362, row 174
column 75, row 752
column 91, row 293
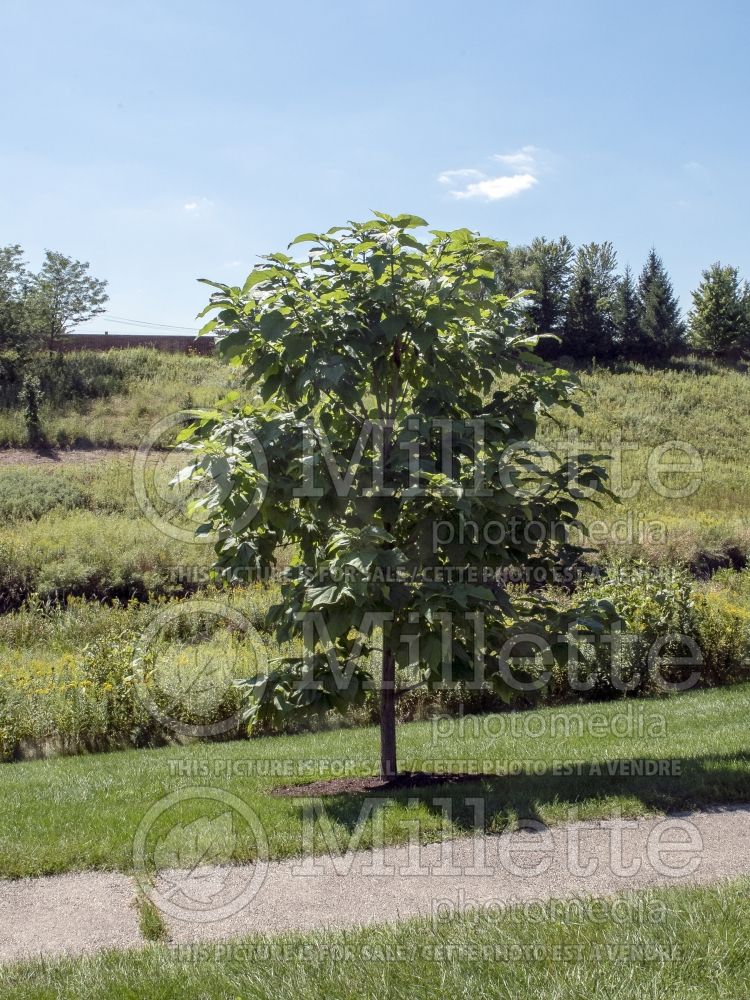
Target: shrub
column 26, row 495
column 31, row 398
column 723, row 634
column 662, row 617
column 11, row 377
column 67, row 683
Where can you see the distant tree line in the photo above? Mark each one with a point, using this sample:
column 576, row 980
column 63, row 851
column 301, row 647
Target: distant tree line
column 598, row 313
column 577, row 294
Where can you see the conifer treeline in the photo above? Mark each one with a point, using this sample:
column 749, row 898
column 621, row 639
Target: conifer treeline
column 579, row 295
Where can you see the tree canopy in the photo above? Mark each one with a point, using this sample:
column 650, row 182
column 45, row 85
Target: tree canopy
column 14, row 282
column 393, row 448
column 37, row 309
column 589, row 330
column 625, row 316
column 63, row 294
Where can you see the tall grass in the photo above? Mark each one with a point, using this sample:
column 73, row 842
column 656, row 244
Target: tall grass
column 705, row 406
column 110, row 399
column 84, row 553
column 83, row 676
column 87, row 676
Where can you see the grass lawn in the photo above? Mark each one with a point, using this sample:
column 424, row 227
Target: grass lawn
column 689, row 944
column 82, row 812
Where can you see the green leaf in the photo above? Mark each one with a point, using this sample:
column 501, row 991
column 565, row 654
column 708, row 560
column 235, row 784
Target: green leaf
column 258, row 276
column 322, row 595
column 305, row 238
column 408, row 222
column 432, row 651
column 214, row 284
column 273, row 324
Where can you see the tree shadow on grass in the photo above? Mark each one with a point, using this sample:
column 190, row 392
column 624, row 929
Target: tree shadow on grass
column 678, row 784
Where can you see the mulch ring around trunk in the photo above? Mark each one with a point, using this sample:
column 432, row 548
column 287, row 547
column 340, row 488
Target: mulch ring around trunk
column 354, row 785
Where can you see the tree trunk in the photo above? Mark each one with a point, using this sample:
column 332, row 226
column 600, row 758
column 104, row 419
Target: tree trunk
column 388, row 716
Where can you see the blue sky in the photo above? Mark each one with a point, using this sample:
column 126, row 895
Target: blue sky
column 165, row 141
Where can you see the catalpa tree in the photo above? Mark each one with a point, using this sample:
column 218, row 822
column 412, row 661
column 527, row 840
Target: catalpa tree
column 393, row 448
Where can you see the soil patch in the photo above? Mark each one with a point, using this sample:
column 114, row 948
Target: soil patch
column 354, row 785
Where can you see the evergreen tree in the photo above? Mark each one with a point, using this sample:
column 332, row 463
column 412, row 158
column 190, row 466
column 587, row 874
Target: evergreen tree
column 582, row 321
column 589, row 322
column 719, row 318
column 600, row 261
column 503, row 262
column 544, row 268
column 659, row 318
column 627, row 327
column 746, row 310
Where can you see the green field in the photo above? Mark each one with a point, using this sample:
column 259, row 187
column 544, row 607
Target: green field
column 704, row 406
column 57, row 516
column 110, row 399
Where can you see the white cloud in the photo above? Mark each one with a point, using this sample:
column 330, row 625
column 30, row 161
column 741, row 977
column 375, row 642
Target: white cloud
column 451, row 176
column 696, row 170
column 197, row 206
column 494, row 188
column 524, row 159
column 521, row 175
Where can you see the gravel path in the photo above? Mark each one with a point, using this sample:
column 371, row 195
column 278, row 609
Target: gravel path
column 67, row 915
column 53, row 457
column 82, row 913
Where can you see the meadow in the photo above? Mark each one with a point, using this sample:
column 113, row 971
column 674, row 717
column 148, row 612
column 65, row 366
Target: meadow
column 93, row 399
column 59, row 514
column 85, row 568
column 632, row 414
